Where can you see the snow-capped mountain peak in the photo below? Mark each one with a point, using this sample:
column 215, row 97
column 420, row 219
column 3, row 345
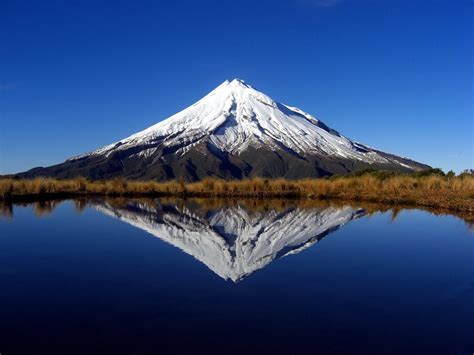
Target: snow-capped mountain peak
column 235, row 115
column 236, row 82
column 234, row 131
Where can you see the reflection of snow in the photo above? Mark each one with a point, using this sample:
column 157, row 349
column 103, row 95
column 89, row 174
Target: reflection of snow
column 231, row 241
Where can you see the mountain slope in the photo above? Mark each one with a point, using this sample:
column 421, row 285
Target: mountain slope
column 233, row 132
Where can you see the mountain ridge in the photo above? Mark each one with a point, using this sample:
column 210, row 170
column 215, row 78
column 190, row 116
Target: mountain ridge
column 234, row 131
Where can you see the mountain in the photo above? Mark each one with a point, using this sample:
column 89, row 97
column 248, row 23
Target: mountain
column 233, row 132
column 232, row 241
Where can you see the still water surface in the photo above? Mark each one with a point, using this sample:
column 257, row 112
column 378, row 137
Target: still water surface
column 159, row 277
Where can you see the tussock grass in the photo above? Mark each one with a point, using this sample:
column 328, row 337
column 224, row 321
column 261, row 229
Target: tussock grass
column 450, row 192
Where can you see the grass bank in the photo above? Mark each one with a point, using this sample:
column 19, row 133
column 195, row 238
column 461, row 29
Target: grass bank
column 448, row 192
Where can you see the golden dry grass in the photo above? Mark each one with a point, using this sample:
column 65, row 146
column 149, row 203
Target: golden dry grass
column 456, row 193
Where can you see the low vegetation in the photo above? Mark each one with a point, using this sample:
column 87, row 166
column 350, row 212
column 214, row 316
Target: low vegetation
column 429, row 189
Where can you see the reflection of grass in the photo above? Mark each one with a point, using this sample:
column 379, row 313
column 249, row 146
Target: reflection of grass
column 202, row 206
column 455, row 193
column 6, row 210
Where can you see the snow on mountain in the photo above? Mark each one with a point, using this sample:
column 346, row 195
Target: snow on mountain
column 234, row 116
column 232, row 242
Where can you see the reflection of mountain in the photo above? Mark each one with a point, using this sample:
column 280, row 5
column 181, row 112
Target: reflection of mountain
column 231, row 241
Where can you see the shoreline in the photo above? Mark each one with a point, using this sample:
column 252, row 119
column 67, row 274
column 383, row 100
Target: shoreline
column 31, row 198
column 455, row 194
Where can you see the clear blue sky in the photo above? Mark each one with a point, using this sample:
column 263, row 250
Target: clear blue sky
column 393, row 74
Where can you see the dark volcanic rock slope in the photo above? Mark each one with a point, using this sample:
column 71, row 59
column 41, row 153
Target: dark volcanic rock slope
column 233, row 132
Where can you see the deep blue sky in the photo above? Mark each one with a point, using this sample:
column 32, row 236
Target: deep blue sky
column 393, row 74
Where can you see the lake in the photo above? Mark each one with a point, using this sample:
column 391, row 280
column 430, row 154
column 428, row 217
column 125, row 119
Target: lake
column 233, row 277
